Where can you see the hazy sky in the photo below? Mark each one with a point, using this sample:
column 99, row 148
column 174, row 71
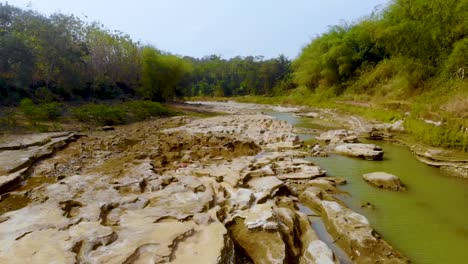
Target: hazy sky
column 222, row 27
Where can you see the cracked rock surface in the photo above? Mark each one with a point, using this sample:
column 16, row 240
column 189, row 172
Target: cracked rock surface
column 176, row 190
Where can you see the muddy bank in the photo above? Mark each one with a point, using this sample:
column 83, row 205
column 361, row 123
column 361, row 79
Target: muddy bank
column 218, row 190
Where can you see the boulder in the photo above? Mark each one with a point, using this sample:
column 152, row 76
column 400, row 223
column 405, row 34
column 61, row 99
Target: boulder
column 265, row 186
column 397, row 126
column 339, row 136
column 318, row 151
column 384, row 180
column 376, row 134
column 308, row 114
column 262, row 246
column 108, row 128
column 363, row 151
column 303, row 172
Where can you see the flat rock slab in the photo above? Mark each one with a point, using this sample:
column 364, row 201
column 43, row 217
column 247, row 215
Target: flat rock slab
column 384, row 180
column 363, row 151
column 17, row 155
column 14, row 142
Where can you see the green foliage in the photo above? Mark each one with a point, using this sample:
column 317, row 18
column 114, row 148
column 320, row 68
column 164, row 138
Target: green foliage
column 141, row 110
column 215, row 76
column 452, row 135
column 390, row 78
column 50, row 111
column 394, row 52
column 161, row 73
column 29, row 109
column 44, row 95
column 411, row 56
column 100, row 114
column 457, row 61
column 42, row 112
column 61, row 58
column 8, row 118
column 332, row 59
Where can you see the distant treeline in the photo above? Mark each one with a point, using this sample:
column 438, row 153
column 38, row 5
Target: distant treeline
column 391, row 53
column 62, row 58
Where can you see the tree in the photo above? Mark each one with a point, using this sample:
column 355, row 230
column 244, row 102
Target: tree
column 161, row 73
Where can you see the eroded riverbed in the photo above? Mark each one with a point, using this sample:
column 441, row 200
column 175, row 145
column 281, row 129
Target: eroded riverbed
column 229, row 189
column 428, row 223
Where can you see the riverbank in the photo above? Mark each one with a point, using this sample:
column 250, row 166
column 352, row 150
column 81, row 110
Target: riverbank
column 363, row 119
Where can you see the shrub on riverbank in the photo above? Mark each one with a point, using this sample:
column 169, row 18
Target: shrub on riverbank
column 141, row 110
column 100, row 114
column 40, row 112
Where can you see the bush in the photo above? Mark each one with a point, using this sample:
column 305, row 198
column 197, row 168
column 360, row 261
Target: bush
column 50, row 111
column 44, row 95
column 8, row 118
column 451, row 135
column 141, row 110
column 458, row 59
column 28, row 108
column 100, row 114
column 41, row 112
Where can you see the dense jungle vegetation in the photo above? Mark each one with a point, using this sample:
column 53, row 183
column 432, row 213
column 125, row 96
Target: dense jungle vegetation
column 408, row 59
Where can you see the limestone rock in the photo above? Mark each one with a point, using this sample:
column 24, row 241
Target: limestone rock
column 259, row 216
column 363, row 151
column 16, row 142
column 376, row 134
column 262, row 246
column 308, row 114
column 172, row 190
column 355, row 234
column 384, row 180
column 318, row 151
column 262, row 129
column 17, row 155
column 397, row 126
column 338, row 136
column 266, row 186
column 318, row 252
column 304, row 172
column 108, row 128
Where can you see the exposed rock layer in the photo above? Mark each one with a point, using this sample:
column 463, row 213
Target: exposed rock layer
column 217, row 190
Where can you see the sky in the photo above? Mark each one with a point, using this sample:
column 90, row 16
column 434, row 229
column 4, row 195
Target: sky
column 223, row 27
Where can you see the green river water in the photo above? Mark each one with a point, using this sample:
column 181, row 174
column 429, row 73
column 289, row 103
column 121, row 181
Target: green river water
column 428, row 223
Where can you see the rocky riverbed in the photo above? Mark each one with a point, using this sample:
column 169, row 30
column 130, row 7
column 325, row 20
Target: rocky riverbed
column 225, row 189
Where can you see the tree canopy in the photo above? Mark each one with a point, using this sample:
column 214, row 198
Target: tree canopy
column 397, row 49
column 60, row 58
column 410, row 39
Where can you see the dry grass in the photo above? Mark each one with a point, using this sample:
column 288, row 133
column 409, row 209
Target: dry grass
column 458, row 106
